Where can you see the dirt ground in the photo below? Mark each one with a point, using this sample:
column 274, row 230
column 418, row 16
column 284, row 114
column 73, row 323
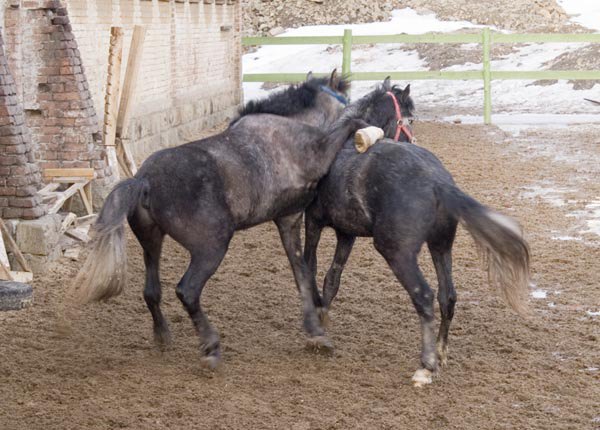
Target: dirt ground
column 503, row 373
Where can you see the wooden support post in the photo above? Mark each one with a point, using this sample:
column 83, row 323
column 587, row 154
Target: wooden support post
column 347, row 55
column 487, row 76
column 129, row 84
column 111, row 101
column 13, row 247
column 127, row 100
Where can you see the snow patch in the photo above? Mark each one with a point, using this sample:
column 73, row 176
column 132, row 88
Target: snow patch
column 593, row 314
column 539, row 294
column 549, row 194
column 584, row 12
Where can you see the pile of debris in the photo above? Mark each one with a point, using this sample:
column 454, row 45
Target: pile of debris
column 270, row 17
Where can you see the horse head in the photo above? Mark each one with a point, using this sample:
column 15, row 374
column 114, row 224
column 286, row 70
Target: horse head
column 388, row 107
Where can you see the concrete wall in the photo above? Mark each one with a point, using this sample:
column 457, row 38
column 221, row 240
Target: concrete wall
column 191, row 65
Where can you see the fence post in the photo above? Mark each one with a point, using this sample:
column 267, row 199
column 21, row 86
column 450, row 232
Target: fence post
column 487, row 76
column 347, row 54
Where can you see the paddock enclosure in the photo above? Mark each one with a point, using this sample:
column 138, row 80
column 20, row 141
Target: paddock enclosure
column 504, row 372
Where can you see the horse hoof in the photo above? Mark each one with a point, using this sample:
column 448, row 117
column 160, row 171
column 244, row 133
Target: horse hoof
column 163, row 340
column 422, row 377
column 210, row 362
column 324, row 317
column 320, row 344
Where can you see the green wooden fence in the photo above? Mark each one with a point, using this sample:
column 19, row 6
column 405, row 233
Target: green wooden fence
column 486, row 38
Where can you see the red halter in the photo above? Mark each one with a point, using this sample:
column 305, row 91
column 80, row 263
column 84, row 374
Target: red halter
column 400, row 126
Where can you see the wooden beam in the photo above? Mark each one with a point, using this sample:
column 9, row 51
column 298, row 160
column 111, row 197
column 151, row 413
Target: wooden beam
column 126, row 158
column 111, row 100
column 130, row 83
column 71, row 191
column 68, row 173
column 69, row 219
column 13, row 247
column 87, row 203
column 5, row 273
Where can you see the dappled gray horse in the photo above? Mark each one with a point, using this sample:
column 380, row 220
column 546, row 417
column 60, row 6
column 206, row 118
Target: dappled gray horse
column 263, row 167
column 401, row 195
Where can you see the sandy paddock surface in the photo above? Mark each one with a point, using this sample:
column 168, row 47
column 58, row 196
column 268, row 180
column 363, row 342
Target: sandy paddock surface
column 503, row 373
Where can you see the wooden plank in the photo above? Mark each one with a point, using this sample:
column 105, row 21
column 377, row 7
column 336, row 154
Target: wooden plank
column 71, row 191
column 79, row 233
column 132, row 71
column 5, row 273
column 111, row 100
column 3, row 255
column 87, row 188
column 12, row 245
column 86, row 202
column 49, row 188
column 296, row 40
column 548, row 74
column 70, row 180
column 85, row 220
column 69, row 219
column 24, row 277
column 546, row 38
column 72, row 253
column 126, row 160
column 70, row 173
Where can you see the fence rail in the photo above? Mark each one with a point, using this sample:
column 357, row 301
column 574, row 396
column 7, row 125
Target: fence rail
column 486, row 38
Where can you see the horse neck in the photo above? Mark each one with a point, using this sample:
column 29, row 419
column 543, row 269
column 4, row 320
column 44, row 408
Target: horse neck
column 323, row 115
column 337, row 137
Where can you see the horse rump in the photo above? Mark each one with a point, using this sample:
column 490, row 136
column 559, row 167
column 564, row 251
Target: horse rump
column 500, row 241
column 104, row 273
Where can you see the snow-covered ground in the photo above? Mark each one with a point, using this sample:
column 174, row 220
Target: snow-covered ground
column 518, row 105
column 510, row 97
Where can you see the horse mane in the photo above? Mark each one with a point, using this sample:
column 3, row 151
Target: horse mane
column 291, row 101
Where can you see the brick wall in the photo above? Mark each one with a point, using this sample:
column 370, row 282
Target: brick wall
column 191, row 65
column 57, row 51
column 53, row 87
column 20, row 176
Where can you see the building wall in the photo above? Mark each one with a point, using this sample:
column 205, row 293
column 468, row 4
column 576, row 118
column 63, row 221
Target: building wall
column 190, row 71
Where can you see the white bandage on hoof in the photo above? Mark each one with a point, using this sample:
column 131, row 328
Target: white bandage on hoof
column 366, row 137
column 422, row 377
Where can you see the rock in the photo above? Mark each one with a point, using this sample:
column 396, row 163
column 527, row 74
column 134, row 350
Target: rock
column 40, row 236
column 276, row 31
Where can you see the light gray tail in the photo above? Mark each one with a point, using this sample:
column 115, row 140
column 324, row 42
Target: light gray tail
column 500, row 240
column 104, row 273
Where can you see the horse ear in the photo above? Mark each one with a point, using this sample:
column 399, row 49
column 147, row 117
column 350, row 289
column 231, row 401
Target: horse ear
column 309, row 75
column 406, row 93
column 387, row 84
column 334, row 80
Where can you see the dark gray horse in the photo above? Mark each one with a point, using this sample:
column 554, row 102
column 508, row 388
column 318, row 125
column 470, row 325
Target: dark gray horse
column 264, row 167
column 401, row 195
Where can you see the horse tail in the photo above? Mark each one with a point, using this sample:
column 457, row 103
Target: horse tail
column 104, row 273
column 500, row 241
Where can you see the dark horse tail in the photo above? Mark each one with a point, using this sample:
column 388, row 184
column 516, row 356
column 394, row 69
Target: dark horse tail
column 500, row 240
column 104, row 273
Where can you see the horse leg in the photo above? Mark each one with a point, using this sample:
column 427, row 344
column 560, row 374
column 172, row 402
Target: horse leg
column 312, row 235
column 441, row 254
column 289, row 229
column 332, row 279
column 204, row 263
column 151, row 238
column 403, row 262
